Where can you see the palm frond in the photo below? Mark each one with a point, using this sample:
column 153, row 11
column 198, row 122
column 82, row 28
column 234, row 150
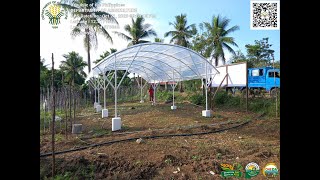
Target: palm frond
column 120, row 34
column 148, row 33
column 232, row 29
column 127, row 28
column 170, row 33
column 105, row 33
column 143, row 41
column 229, row 40
column 75, row 32
column 228, row 48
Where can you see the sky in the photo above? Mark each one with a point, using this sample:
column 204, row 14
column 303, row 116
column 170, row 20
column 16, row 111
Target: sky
column 158, row 13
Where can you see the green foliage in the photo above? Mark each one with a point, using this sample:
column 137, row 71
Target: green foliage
column 262, row 105
column 99, row 132
column 221, row 98
column 58, row 137
column 233, row 101
column 199, row 43
column 192, row 85
column 260, row 52
column 196, row 157
column 137, row 31
column 65, row 176
column 73, row 66
column 46, row 75
column 168, row 161
column 105, row 54
column 216, row 38
column 198, row 99
column 164, row 96
column 89, row 23
column 182, row 32
column 158, row 40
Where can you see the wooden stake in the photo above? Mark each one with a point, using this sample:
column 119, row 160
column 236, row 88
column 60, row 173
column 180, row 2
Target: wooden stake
column 53, row 119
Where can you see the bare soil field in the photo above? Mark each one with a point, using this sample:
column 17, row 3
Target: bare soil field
column 178, row 157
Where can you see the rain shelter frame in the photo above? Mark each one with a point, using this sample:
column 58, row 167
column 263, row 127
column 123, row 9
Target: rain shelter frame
column 156, row 62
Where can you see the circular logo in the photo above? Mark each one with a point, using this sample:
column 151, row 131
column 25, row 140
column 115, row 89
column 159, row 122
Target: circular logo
column 270, row 170
column 252, row 169
column 54, row 11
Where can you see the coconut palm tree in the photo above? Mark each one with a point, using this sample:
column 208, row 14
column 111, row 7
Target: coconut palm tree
column 182, row 32
column 73, row 69
column 218, row 39
column 158, row 40
column 137, row 31
column 105, row 54
column 89, row 23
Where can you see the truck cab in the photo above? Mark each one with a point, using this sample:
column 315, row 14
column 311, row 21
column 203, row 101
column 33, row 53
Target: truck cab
column 265, row 78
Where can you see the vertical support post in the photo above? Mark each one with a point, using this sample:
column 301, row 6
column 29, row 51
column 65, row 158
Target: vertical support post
column 115, row 88
column 154, row 92
column 206, row 87
column 45, row 114
column 98, row 94
column 274, row 78
column 207, row 113
column 173, row 107
column 227, row 78
column 173, row 88
column 141, row 88
column 116, row 121
column 95, row 94
column 247, row 89
column 53, row 120
column 227, row 73
column 104, row 91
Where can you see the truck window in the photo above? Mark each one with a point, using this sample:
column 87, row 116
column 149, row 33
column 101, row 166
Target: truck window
column 271, row 74
column 257, row 72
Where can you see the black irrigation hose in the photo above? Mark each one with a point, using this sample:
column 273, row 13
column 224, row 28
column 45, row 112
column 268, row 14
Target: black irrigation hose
column 145, row 137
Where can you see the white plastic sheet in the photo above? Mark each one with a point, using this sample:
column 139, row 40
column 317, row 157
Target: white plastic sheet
column 157, row 62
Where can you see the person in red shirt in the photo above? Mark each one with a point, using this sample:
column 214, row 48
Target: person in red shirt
column 151, row 93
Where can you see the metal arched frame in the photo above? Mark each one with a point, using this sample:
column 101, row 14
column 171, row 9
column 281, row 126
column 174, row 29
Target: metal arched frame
column 157, row 62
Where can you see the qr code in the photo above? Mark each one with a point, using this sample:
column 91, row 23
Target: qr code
column 265, row 15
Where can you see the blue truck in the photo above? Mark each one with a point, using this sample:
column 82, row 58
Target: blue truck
column 264, row 78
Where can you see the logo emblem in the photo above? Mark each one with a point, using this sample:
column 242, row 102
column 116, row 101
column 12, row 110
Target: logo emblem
column 54, row 11
column 270, row 170
column 252, row 170
column 231, row 170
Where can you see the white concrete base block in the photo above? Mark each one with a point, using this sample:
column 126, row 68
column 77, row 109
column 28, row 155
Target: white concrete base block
column 98, row 108
column 116, row 123
column 76, row 128
column 173, row 107
column 207, row 113
column 95, row 104
column 142, row 101
column 104, row 113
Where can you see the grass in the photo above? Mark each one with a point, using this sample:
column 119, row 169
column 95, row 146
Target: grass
column 168, row 161
column 99, row 132
column 196, row 157
column 58, row 137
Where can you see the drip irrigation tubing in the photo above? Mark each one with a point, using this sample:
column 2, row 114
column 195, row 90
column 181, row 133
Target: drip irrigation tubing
column 143, row 137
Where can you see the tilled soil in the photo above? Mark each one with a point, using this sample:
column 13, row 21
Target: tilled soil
column 187, row 157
